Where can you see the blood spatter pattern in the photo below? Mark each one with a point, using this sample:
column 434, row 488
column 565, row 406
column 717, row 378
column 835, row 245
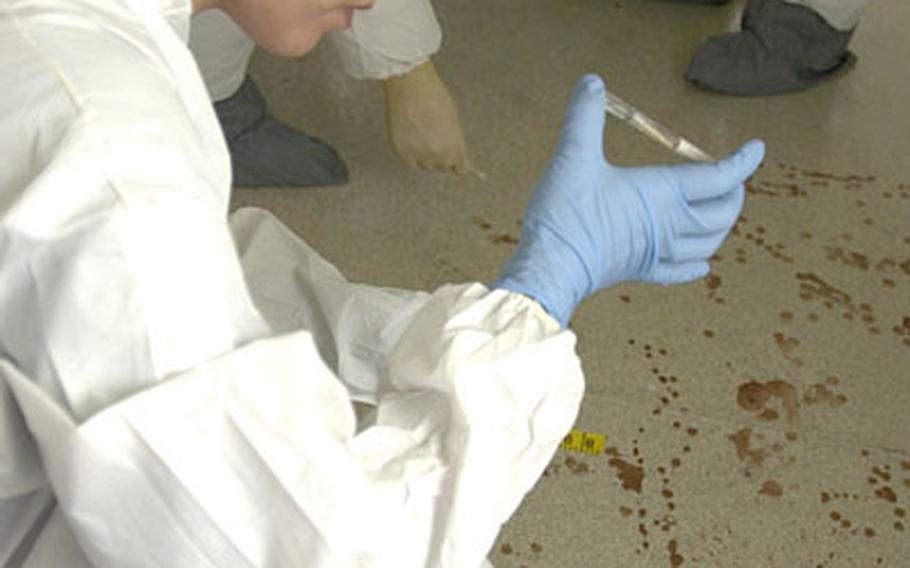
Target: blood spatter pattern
column 496, row 235
column 844, row 279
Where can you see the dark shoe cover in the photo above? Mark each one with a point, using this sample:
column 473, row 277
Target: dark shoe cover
column 781, row 48
column 268, row 153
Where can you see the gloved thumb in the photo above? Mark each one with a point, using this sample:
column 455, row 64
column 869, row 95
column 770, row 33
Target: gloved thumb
column 582, row 131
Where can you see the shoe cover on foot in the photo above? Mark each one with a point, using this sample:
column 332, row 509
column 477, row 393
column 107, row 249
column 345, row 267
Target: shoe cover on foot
column 267, row 153
column 781, row 48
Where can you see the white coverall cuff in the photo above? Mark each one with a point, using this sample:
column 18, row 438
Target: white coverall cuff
column 389, row 40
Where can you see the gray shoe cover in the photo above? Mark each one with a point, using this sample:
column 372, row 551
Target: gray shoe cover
column 268, row 153
column 781, row 48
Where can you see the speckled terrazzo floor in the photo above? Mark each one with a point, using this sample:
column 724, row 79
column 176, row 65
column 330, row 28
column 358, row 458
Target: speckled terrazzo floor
column 757, row 418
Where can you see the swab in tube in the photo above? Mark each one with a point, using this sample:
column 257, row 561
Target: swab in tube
column 639, row 121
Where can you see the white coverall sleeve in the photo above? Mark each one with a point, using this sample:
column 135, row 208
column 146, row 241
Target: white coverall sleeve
column 388, row 40
column 252, row 459
column 173, row 427
column 841, row 14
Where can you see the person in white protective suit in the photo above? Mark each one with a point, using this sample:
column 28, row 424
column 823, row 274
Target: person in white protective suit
column 175, row 386
column 393, row 43
column 782, row 46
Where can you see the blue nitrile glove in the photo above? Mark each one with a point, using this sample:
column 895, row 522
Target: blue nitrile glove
column 591, row 225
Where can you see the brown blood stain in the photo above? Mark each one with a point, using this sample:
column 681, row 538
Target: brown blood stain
column 812, row 287
column 713, row 282
column 676, row 559
column 850, row 258
column 754, row 397
column 771, row 488
column 742, row 441
column 881, row 473
column 886, row 493
column 536, row 548
column 576, row 467
column 625, row 299
column 825, row 497
column 625, row 511
column 769, row 415
column 504, row 238
column 506, row 549
column 905, row 465
column 708, row 333
column 786, row 317
column 903, row 329
column 900, row 513
column 481, row 223
column 821, row 394
column 851, row 179
column 692, row 431
column 787, row 346
column 630, row 476
column 869, row 532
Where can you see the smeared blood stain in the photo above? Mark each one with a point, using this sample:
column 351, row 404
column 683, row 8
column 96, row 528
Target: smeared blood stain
column 630, row 476
column 755, row 396
column 771, row 488
column 676, row 559
column 787, row 346
column 887, row 494
column 881, row 473
column 742, row 440
column 821, row 394
column 504, row 239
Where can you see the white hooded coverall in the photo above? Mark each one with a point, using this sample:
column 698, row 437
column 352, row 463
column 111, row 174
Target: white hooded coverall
column 841, row 14
column 390, row 39
column 175, row 389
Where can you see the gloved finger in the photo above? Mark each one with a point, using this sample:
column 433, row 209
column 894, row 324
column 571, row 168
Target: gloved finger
column 710, row 180
column 678, row 273
column 693, row 249
column 582, row 130
column 718, row 214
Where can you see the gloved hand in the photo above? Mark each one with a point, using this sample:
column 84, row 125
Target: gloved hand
column 424, row 126
column 591, row 225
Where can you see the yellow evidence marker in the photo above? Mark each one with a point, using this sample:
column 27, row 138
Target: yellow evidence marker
column 584, row 442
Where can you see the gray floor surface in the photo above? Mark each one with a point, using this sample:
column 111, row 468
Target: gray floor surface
column 756, row 418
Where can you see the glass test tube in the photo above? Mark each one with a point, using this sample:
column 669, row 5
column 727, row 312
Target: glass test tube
column 636, row 119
